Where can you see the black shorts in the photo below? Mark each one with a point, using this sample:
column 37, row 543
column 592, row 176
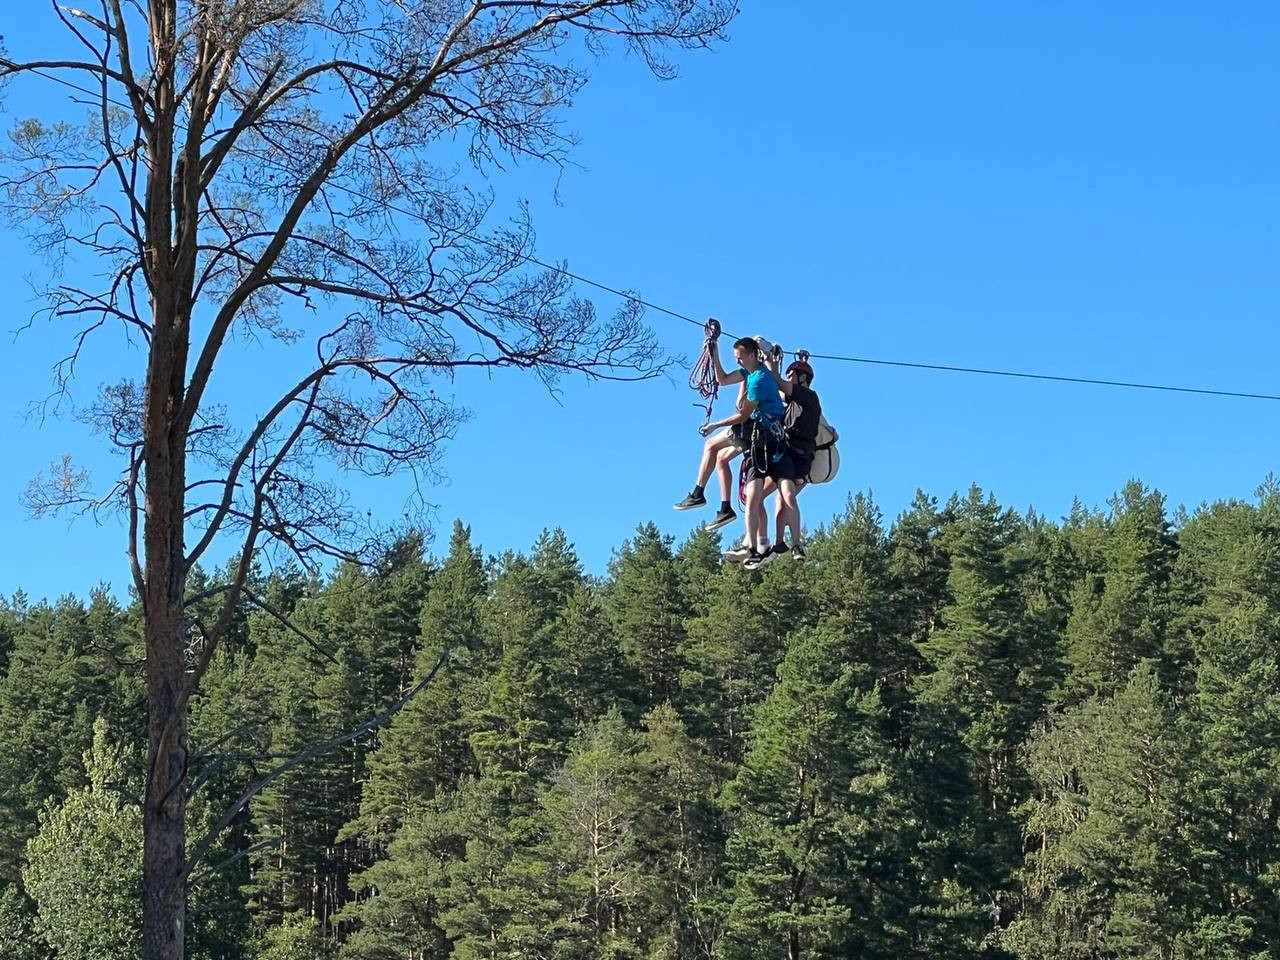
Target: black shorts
column 790, row 466
column 765, row 450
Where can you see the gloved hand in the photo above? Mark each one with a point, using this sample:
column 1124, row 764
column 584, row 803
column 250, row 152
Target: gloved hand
column 706, row 429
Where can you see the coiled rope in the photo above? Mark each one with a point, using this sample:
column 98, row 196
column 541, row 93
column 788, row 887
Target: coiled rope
column 703, row 376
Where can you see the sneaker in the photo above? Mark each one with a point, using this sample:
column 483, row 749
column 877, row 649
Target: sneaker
column 721, row 518
column 738, row 554
column 754, row 562
column 797, row 553
column 776, row 551
column 692, row 502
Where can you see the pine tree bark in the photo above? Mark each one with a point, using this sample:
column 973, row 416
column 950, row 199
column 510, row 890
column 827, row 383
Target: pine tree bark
column 164, row 811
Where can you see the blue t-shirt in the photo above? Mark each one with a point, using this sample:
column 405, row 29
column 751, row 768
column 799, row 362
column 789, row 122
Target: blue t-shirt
column 763, row 389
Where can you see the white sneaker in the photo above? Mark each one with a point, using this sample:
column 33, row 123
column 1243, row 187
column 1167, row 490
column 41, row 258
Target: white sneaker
column 738, row 554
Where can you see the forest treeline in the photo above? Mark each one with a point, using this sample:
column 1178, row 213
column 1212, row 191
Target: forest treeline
column 966, row 733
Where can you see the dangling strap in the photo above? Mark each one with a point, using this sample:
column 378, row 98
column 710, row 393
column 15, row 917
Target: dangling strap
column 703, row 377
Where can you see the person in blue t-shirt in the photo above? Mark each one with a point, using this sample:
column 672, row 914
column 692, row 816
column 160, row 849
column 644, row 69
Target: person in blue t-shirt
column 762, row 390
column 756, row 429
column 728, row 438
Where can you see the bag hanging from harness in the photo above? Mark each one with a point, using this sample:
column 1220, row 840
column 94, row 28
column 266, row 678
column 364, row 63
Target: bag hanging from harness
column 826, row 460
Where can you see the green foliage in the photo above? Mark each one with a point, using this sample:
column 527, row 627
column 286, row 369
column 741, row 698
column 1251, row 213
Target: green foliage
column 84, row 866
column 1120, row 610
column 591, row 811
column 646, row 609
column 20, row 938
column 295, row 938
column 976, row 735
column 809, row 809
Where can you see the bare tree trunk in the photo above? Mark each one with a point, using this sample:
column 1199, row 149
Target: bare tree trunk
column 164, row 812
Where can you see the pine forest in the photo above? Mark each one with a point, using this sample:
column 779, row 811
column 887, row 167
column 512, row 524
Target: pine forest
column 964, row 732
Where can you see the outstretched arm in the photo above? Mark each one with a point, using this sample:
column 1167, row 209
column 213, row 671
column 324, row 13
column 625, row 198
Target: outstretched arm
column 723, row 377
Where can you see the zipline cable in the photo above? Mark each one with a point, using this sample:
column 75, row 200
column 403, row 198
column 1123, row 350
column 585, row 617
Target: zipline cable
column 650, row 305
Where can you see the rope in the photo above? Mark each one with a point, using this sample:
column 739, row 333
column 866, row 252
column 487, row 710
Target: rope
column 703, row 376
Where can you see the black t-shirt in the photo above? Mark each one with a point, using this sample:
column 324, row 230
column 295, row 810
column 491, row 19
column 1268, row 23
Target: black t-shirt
column 801, row 422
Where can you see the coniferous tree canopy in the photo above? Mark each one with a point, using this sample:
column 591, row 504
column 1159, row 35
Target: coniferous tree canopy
column 970, row 733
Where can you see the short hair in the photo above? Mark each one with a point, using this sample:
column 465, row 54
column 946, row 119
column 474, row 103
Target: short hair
column 748, row 344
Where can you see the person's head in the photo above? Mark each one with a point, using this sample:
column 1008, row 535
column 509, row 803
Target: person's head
column 800, row 373
column 746, row 352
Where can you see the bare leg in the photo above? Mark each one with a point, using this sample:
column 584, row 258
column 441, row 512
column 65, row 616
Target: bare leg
column 762, row 518
column 725, row 457
column 789, row 509
column 755, row 498
column 710, row 453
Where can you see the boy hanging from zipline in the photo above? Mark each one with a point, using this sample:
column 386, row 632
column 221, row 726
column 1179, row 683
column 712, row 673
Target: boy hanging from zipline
column 754, row 428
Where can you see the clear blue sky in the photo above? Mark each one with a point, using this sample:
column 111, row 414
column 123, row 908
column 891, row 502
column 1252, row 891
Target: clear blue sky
column 1061, row 188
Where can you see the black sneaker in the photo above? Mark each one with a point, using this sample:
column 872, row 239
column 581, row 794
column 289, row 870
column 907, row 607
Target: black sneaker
column 754, row 562
column 721, row 518
column 776, row 551
column 692, row 502
column 797, row 553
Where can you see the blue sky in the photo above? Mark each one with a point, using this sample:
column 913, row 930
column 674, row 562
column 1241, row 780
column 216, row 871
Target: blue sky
column 1061, row 188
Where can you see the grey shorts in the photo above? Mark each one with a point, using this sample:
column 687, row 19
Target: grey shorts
column 734, row 435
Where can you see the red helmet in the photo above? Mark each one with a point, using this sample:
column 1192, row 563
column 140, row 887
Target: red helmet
column 800, row 366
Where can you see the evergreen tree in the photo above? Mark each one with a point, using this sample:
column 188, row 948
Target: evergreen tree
column 697, row 560
column 1110, row 874
column 680, row 836
column 1059, row 917
column 920, row 565
column 983, row 676
column 854, row 590
column 523, row 728
column 988, row 685
column 591, row 811
column 809, row 812
column 731, row 659
column 1120, row 610
column 646, row 610
column 426, row 747
column 397, row 910
column 499, row 900
column 289, row 816
column 596, row 675
column 67, row 664
column 295, row 938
